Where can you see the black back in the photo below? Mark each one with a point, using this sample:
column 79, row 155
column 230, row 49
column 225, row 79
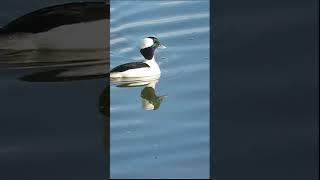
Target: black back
column 127, row 66
column 54, row 16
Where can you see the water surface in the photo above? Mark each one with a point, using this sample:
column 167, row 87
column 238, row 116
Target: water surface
column 160, row 129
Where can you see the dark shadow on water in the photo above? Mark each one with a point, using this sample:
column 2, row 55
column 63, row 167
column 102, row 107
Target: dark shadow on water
column 55, row 66
column 53, row 76
column 55, row 102
column 104, row 107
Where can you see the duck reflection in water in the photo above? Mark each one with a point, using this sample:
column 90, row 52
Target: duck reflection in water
column 149, row 99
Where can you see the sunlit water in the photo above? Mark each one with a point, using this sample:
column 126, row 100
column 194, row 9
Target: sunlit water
column 160, row 129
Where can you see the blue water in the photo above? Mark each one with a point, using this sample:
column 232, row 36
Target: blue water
column 171, row 141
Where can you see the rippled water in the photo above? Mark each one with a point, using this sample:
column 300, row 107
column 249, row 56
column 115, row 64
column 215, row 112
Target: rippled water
column 160, row 128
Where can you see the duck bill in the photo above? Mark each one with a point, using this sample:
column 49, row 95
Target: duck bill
column 162, row 46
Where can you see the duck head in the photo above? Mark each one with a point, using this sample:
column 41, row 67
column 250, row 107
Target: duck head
column 149, row 45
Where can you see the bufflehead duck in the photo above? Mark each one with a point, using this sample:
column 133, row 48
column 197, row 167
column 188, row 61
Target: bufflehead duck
column 147, row 67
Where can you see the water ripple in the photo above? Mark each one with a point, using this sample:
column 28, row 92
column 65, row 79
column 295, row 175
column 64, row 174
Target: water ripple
column 159, row 21
column 184, row 32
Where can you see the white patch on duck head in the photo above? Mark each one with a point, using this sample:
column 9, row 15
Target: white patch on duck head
column 147, row 42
